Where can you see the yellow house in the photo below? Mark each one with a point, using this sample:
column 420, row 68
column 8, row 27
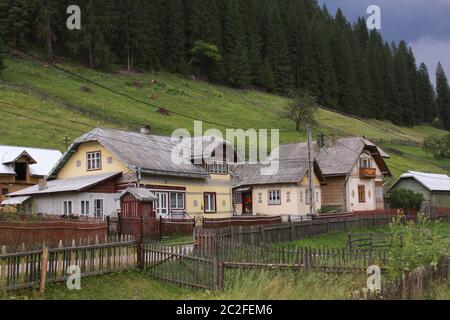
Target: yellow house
column 285, row 193
column 198, row 189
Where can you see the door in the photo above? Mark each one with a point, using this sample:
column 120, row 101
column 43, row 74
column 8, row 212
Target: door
column 248, row 202
column 162, row 207
column 98, row 209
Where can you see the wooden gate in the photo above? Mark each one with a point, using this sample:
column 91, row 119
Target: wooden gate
column 178, row 265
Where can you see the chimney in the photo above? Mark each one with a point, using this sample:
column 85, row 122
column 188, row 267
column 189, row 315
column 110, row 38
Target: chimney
column 43, row 184
column 320, row 141
column 145, row 130
column 332, row 140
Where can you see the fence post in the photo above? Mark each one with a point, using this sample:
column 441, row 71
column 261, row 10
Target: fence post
column 161, row 228
column 140, row 262
column 405, row 278
column 44, row 261
column 216, row 272
column 291, row 225
column 59, row 263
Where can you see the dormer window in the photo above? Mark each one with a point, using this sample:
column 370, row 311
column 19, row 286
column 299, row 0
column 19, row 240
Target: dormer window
column 217, row 167
column 21, row 169
column 365, row 163
column 94, row 161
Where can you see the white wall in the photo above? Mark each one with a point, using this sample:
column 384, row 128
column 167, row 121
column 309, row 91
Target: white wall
column 53, row 204
column 352, row 189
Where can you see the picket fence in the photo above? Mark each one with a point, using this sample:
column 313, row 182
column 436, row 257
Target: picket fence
column 27, row 269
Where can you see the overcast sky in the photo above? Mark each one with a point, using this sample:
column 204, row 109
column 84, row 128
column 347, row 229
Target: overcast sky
column 424, row 24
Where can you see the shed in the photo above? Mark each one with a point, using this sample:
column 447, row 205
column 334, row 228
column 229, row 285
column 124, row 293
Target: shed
column 137, row 203
column 434, row 187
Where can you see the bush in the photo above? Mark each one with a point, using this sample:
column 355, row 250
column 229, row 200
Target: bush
column 438, row 146
column 416, row 244
column 405, row 199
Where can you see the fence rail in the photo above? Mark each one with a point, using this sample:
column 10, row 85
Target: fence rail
column 32, row 268
column 31, row 232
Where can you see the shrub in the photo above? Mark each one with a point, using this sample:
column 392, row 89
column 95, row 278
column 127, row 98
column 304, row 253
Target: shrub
column 405, row 199
column 415, row 244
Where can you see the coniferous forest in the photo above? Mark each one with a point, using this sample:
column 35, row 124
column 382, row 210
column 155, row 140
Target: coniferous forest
column 273, row 45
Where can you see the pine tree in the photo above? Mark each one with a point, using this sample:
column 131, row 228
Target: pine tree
column 2, row 50
column 45, row 13
column 234, row 46
column 15, row 19
column 275, row 47
column 426, row 95
column 443, row 97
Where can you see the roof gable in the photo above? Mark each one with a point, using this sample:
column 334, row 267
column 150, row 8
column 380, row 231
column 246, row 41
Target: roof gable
column 431, row 181
column 41, row 160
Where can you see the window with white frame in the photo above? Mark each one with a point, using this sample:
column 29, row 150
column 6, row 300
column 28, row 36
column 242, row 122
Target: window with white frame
column 217, row 167
column 274, row 197
column 85, row 210
column 210, row 202
column 177, row 200
column 94, row 161
column 68, row 207
column 307, row 200
column 365, row 163
column 98, row 208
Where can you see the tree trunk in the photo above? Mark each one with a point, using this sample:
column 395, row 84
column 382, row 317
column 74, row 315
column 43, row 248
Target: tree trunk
column 48, row 32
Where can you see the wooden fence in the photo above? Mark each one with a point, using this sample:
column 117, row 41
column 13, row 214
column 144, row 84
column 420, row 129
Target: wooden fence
column 14, row 233
column 36, row 268
column 177, row 226
column 176, row 265
column 411, row 285
column 296, row 230
column 220, row 223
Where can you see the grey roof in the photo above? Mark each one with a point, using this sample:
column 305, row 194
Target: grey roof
column 15, row 201
column 341, row 156
column 150, row 153
column 42, row 160
column 67, row 185
column 431, row 181
column 142, row 194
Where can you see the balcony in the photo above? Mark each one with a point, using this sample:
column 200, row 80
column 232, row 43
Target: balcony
column 367, row 173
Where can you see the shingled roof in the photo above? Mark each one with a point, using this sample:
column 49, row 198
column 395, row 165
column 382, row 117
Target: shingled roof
column 340, row 157
column 149, row 153
column 431, row 181
column 41, row 160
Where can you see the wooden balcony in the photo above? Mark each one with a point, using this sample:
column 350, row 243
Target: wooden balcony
column 367, row 173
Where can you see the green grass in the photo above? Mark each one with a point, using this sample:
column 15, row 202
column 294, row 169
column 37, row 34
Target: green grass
column 337, row 239
column 177, row 238
column 248, row 285
column 234, row 108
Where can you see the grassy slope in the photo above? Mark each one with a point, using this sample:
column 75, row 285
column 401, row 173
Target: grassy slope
column 256, row 285
column 235, row 108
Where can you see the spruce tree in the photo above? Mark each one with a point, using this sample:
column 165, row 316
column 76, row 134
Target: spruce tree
column 234, row 46
column 14, row 20
column 443, row 97
column 46, row 10
column 426, row 95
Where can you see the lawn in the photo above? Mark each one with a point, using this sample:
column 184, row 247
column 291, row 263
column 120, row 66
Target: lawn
column 253, row 285
column 214, row 103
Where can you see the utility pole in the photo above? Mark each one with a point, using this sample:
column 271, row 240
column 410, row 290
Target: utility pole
column 311, row 195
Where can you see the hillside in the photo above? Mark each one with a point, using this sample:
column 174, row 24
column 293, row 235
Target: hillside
column 86, row 106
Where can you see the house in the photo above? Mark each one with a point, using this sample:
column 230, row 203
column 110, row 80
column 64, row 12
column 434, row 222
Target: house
column 198, row 186
column 284, row 193
column 21, row 167
column 354, row 168
column 434, row 187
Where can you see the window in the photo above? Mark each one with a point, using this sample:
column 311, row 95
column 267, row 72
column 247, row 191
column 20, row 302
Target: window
column 98, row 208
column 365, row 163
column 274, row 197
column 94, row 161
column 68, row 208
column 210, row 202
column 5, row 191
column 21, row 171
column 177, row 200
column 238, row 197
column 362, row 194
column 307, row 196
column 217, row 167
column 85, row 208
